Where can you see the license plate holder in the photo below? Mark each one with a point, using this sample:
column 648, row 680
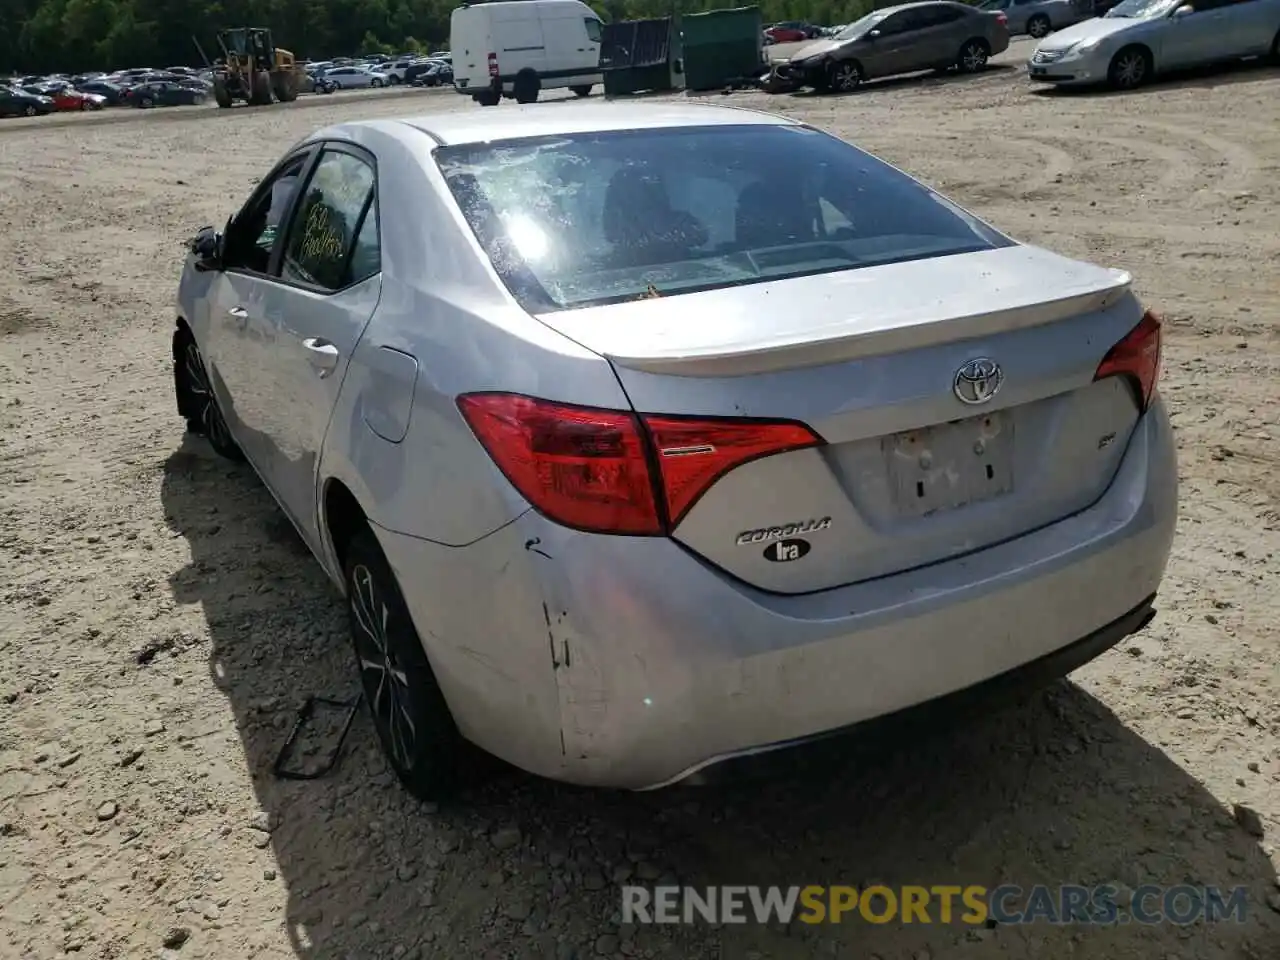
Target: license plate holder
column 950, row 465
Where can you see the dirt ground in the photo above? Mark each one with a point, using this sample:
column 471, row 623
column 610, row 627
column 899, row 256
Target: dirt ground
column 159, row 622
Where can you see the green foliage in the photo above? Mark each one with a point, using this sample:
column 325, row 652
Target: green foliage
column 69, row 35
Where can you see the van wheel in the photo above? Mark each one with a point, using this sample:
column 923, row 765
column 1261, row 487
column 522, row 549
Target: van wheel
column 526, row 87
column 490, row 98
column 583, row 90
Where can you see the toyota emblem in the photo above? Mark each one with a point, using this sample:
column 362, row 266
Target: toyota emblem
column 978, row 381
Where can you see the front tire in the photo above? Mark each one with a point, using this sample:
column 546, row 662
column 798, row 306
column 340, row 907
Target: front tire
column 415, row 728
column 1130, row 68
column 843, row 76
column 30, row 110
column 582, row 90
column 375, row 84
column 146, row 103
column 1038, row 26
column 198, row 401
column 973, row 57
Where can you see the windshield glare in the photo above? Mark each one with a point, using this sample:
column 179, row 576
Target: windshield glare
column 1143, row 9
column 605, row 217
column 859, row 27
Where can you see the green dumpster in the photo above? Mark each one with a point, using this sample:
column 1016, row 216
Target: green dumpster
column 721, row 46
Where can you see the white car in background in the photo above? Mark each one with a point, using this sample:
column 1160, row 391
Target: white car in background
column 356, row 78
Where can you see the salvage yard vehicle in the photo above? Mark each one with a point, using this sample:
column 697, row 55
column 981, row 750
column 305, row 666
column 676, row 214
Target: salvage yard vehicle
column 1036, row 18
column 932, row 35
column 164, row 93
column 600, row 507
column 1137, row 40
column 68, row 98
column 15, row 102
column 354, row 78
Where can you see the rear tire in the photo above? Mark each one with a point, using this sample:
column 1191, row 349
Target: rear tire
column 490, row 98
column 582, row 90
column 973, row 56
column 146, row 103
column 1130, row 68
column 415, row 728
column 527, row 86
column 1038, row 26
column 30, row 110
column 1275, row 50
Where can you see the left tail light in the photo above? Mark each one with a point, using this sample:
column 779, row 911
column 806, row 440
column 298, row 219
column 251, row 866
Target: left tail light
column 1002, row 19
column 612, row 471
column 1137, row 357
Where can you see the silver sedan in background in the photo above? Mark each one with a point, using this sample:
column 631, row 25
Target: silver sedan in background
column 644, row 437
column 1037, row 18
column 1136, row 40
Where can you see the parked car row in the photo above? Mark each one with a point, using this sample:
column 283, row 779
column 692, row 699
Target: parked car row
column 143, row 87
column 1124, row 46
column 328, row 76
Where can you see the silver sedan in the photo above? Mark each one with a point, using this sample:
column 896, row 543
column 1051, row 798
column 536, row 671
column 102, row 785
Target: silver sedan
column 1138, row 39
column 640, row 438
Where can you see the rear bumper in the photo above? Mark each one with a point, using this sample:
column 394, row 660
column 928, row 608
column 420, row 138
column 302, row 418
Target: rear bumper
column 628, row 662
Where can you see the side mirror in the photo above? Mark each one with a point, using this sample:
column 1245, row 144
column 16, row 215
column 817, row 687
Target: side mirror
column 207, row 247
column 1183, row 11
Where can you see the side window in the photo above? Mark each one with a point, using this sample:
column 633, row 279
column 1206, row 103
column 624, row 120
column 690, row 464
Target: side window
column 897, row 23
column 366, row 255
column 594, row 33
column 253, row 233
column 328, row 222
column 951, row 15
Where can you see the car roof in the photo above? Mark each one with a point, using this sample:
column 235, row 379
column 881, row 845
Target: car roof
column 570, row 117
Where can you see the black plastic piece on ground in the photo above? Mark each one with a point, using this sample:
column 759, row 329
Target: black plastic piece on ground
column 305, row 713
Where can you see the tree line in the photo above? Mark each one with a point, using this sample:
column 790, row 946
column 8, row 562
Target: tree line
column 46, row 36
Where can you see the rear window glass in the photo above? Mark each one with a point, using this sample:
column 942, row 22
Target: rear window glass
column 600, row 218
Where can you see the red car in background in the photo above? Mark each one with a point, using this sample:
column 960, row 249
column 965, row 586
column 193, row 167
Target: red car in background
column 791, row 31
column 68, row 98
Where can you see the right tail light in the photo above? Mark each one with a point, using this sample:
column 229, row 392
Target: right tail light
column 1137, row 357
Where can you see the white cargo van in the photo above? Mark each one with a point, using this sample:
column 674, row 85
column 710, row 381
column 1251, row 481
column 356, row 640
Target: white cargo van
column 518, row 48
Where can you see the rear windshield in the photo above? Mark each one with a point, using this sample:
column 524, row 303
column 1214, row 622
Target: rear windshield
column 599, row 218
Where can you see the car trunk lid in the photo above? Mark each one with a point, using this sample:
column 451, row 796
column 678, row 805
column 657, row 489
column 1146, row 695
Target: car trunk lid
column 876, row 361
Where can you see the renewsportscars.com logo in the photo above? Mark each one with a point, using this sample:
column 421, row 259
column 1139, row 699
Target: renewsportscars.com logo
column 945, row 904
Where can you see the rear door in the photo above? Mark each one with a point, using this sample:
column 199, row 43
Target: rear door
column 326, row 287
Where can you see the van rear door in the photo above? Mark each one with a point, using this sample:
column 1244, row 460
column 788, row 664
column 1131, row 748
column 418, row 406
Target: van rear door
column 469, row 36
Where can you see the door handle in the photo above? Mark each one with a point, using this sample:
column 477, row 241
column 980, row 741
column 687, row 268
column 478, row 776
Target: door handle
column 239, row 315
column 321, row 354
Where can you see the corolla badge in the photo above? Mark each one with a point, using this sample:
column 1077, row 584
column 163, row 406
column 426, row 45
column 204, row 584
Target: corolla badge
column 977, row 381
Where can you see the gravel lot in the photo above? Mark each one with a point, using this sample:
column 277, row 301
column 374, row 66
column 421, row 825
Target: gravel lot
column 159, row 622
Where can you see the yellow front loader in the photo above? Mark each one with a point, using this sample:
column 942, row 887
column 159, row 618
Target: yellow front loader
column 253, row 69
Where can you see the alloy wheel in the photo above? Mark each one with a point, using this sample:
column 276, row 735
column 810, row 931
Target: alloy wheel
column 385, row 681
column 845, row 77
column 210, row 415
column 973, row 57
column 1130, row 69
column 1038, row 28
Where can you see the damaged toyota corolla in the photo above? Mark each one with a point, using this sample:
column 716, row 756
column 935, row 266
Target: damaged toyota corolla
column 642, row 438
